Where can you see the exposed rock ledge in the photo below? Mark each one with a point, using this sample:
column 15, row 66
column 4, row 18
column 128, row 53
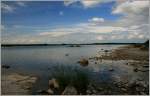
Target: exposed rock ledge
column 17, row 84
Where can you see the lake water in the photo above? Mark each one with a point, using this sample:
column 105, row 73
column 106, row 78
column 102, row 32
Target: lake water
column 38, row 60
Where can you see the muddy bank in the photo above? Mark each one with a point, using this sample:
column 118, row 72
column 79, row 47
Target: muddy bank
column 124, row 53
column 16, row 84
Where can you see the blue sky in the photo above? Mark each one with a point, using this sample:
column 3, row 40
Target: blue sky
column 74, row 22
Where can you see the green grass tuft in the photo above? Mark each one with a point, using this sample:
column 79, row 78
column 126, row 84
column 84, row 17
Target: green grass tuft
column 71, row 76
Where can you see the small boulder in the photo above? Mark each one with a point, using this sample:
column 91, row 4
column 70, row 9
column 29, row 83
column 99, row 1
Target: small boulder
column 106, row 51
column 6, row 66
column 66, row 54
column 50, row 91
column 77, row 46
column 69, row 90
column 135, row 70
column 146, row 65
column 83, row 62
column 53, row 83
column 111, row 69
column 42, row 92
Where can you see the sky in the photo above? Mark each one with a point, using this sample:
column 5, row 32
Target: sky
column 74, row 21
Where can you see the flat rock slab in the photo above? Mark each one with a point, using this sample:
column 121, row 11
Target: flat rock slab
column 16, row 84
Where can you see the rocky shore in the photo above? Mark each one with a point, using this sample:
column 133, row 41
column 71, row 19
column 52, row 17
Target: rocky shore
column 68, row 81
column 16, row 84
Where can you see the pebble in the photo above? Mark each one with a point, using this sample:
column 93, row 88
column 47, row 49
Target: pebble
column 135, row 70
column 5, row 66
column 43, row 92
column 111, row 69
column 50, row 91
column 145, row 65
column 123, row 89
column 53, row 82
column 66, row 54
column 69, row 90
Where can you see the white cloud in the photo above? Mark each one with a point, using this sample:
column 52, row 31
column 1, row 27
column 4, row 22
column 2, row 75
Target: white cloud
column 21, row 3
column 135, row 18
column 141, row 36
column 69, row 2
column 18, row 26
column 86, row 3
column 7, row 8
column 90, row 3
column 83, row 28
column 96, row 20
column 131, row 7
column 11, row 8
column 130, row 27
column 54, row 34
column 100, row 38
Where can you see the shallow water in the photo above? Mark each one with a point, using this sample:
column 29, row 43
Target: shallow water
column 37, row 60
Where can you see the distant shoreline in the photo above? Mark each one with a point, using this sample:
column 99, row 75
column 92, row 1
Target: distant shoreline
column 11, row 45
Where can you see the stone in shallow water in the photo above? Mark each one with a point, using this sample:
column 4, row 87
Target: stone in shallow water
column 42, row 92
column 69, row 90
column 83, row 62
column 145, row 65
column 111, row 69
column 50, row 91
column 66, row 54
column 135, row 70
column 53, row 83
column 5, row 66
column 123, row 89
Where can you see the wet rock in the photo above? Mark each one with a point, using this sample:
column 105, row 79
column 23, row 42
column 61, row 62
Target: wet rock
column 69, row 90
column 106, row 51
column 77, row 46
column 145, row 65
column 88, row 92
column 123, row 89
column 111, row 69
column 74, row 46
column 6, row 66
column 53, row 83
column 66, row 54
column 140, row 79
column 71, row 46
column 135, row 70
column 94, row 91
column 42, row 92
column 100, row 89
column 142, row 93
column 50, row 91
column 46, row 92
column 83, row 62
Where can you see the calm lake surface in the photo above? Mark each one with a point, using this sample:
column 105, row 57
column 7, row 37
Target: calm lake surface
column 38, row 60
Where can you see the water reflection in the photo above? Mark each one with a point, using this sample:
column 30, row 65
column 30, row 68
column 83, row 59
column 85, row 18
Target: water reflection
column 41, row 61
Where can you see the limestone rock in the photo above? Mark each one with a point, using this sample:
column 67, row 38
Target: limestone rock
column 69, row 90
